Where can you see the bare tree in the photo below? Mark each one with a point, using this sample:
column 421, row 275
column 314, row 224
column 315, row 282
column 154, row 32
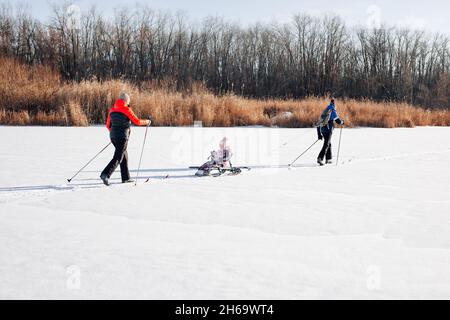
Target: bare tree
column 308, row 56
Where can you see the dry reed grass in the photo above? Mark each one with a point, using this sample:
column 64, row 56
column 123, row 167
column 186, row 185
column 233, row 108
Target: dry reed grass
column 35, row 95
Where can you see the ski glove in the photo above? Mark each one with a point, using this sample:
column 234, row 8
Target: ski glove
column 319, row 134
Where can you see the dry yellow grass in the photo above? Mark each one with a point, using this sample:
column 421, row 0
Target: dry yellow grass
column 37, row 96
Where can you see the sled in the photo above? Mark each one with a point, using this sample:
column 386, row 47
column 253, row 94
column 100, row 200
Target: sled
column 217, row 171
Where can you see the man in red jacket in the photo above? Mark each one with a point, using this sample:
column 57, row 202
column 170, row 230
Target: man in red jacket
column 119, row 122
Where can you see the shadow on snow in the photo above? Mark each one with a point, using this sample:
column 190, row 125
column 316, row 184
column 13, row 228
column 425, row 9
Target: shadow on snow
column 116, row 181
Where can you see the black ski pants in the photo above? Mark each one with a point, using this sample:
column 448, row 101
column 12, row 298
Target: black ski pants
column 326, row 149
column 120, row 158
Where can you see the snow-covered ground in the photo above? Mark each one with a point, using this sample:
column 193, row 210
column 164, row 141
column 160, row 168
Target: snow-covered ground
column 376, row 226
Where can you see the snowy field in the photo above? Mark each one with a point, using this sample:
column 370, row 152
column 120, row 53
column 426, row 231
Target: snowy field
column 376, row 226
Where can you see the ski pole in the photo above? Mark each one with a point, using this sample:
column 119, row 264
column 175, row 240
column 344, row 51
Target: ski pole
column 70, row 180
column 304, row 153
column 339, row 148
column 142, row 153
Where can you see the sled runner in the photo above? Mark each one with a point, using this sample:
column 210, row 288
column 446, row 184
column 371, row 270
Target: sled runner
column 217, row 171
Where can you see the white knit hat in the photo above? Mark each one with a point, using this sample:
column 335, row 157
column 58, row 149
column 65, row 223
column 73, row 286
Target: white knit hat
column 125, row 97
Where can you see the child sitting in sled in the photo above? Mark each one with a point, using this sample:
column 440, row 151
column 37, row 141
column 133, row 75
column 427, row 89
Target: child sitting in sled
column 219, row 159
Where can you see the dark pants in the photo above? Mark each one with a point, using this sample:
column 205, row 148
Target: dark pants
column 120, row 157
column 326, row 149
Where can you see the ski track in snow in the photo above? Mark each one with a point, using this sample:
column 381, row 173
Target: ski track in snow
column 47, row 190
column 376, row 226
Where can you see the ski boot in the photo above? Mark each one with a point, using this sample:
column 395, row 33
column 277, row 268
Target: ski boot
column 105, row 179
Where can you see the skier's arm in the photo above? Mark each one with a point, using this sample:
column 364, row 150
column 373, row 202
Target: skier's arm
column 108, row 122
column 130, row 114
column 336, row 118
column 319, row 134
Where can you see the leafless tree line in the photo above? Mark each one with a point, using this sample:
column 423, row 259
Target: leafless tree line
column 308, row 56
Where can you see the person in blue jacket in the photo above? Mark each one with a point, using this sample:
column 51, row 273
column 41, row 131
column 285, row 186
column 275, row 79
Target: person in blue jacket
column 325, row 131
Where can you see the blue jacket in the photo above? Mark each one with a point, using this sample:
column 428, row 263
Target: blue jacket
column 334, row 117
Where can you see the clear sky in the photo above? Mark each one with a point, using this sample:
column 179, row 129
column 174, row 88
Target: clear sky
column 431, row 15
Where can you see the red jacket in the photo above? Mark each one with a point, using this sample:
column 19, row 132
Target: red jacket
column 121, row 107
